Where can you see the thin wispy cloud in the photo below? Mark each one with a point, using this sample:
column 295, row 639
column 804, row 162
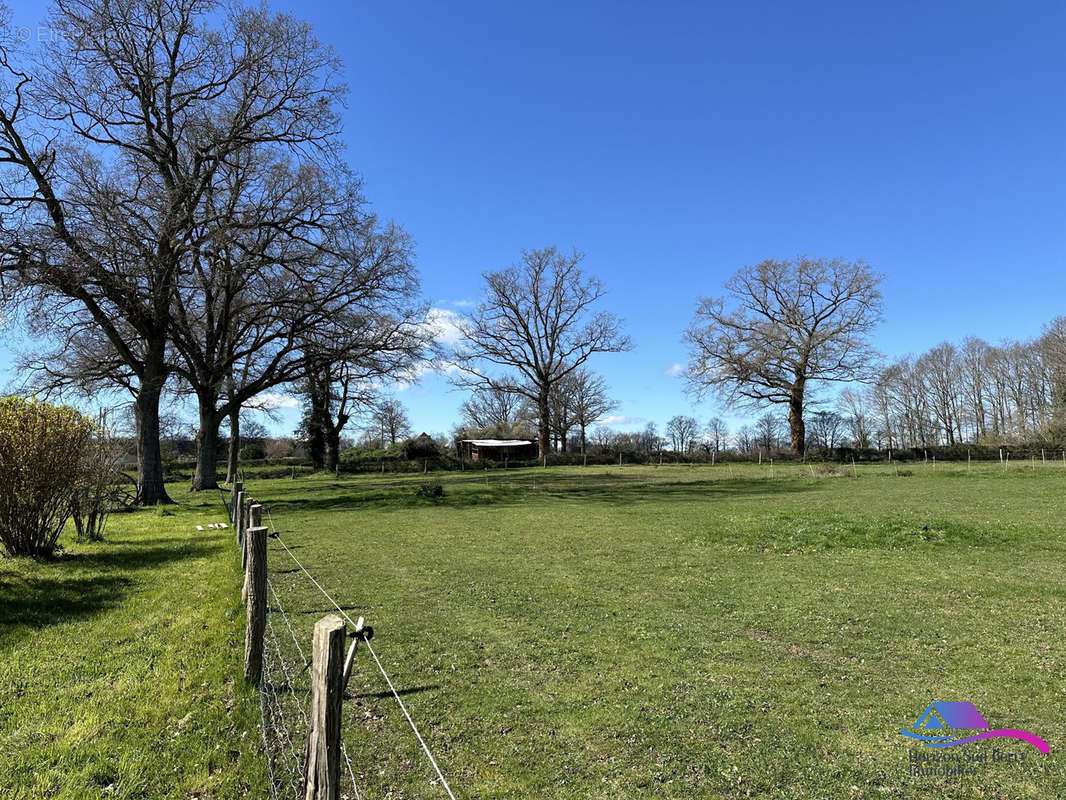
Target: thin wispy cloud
column 674, row 370
column 619, row 419
column 272, row 401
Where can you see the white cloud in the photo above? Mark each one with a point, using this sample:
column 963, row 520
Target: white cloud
column 445, row 325
column 674, row 369
column 462, row 303
column 271, row 401
column 619, row 419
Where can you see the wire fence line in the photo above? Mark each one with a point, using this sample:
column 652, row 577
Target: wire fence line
column 285, row 692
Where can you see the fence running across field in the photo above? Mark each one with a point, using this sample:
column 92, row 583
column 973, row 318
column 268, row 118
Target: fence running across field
column 285, row 687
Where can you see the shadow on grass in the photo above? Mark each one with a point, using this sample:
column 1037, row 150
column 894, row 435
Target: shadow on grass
column 77, row 586
column 386, row 695
column 37, row 602
column 136, row 557
column 466, row 492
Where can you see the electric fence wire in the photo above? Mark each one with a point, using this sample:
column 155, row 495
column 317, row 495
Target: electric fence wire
column 351, row 772
column 303, row 660
column 377, row 661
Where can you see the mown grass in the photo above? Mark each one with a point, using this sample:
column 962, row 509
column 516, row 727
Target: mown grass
column 688, row 632
column 120, row 672
column 679, row 632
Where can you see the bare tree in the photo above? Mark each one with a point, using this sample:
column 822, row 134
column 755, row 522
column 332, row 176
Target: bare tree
column 589, row 400
column 561, row 411
column 1053, row 350
column 717, row 431
column 826, row 429
column 390, row 419
column 111, row 145
column 856, row 415
column 649, row 440
column 682, row 431
column 792, row 325
column 495, row 413
column 343, row 378
column 537, row 324
column 767, row 432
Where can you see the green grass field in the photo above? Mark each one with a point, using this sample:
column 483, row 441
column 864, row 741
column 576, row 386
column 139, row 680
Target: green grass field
column 624, row 632
column 120, row 671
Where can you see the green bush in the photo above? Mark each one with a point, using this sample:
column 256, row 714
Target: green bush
column 431, row 491
column 44, row 452
column 252, row 452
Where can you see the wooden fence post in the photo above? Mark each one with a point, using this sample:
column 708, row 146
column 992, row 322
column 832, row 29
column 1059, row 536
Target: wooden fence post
column 255, row 520
column 322, row 770
column 238, row 487
column 238, row 516
column 257, row 604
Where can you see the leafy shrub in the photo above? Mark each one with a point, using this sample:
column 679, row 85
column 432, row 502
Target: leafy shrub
column 43, row 455
column 431, row 491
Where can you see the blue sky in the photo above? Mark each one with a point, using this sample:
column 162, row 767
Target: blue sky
column 675, row 143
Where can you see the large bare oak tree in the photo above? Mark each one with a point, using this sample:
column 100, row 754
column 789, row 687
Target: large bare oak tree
column 783, row 328
column 536, row 325
column 110, row 146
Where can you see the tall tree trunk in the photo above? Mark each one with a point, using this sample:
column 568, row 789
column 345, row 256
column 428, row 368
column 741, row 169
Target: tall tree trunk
column 543, row 428
column 233, row 456
column 796, row 426
column 151, row 490
column 582, row 438
column 333, row 447
column 206, row 475
column 316, row 436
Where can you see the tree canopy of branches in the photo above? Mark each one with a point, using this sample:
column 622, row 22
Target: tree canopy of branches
column 117, row 150
column 588, row 399
column 318, row 289
column 390, row 421
column 682, row 431
column 788, row 326
column 973, row 392
column 537, row 324
column 495, row 413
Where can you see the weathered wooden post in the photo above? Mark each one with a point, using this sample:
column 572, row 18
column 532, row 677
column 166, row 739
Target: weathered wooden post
column 322, row 769
column 257, row 604
column 238, row 511
column 238, row 487
column 255, row 520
